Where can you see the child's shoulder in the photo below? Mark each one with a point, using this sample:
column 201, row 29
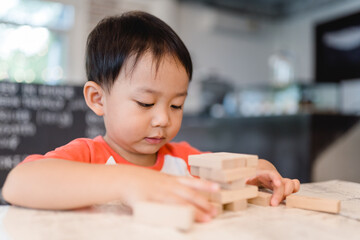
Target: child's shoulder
column 79, row 149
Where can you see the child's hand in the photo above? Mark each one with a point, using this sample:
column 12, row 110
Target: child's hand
column 149, row 185
column 271, row 179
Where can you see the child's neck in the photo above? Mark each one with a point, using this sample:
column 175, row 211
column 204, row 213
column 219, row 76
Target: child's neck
column 144, row 160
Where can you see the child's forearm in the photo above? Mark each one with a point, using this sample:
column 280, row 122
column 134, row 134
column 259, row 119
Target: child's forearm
column 56, row 184
column 62, row 184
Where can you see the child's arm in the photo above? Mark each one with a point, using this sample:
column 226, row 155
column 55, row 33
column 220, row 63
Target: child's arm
column 269, row 177
column 62, row 184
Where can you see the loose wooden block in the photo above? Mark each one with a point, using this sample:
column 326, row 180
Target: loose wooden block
column 219, row 208
column 234, row 185
column 219, row 160
column 195, row 171
column 228, row 196
column 263, row 199
column 229, row 175
column 236, row 206
column 165, row 215
column 313, row 203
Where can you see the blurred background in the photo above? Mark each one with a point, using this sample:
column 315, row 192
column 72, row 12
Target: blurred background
column 276, row 78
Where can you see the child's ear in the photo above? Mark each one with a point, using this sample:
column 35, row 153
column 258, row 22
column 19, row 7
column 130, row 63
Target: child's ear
column 94, row 94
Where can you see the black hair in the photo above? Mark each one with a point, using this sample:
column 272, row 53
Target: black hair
column 117, row 38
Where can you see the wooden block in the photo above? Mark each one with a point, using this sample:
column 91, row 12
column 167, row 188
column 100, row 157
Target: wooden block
column 204, row 173
column 252, row 160
column 228, row 196
column 234, row 185
column 194, row 171
column 263, row 199
column 236, row 206
column 226, row 176
column 219, row 208
column 248, row 158
column 165, row 215
column 217, row 160
column 313, row 203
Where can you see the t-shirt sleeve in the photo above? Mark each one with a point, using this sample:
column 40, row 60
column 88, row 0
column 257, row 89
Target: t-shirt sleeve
column 77, row 150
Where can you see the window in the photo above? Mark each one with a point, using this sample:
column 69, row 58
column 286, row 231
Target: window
column 33, row 40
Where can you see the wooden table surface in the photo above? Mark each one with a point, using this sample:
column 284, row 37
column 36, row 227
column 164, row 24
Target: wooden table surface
column 115, row 222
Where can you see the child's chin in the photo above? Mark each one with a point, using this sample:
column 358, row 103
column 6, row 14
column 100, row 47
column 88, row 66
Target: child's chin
column 150, row 149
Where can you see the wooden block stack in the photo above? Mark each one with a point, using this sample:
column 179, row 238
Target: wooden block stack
column 230, row 170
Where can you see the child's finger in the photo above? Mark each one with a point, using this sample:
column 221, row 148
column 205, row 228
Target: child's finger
column 289, row 186
column 278, row 192
column 296, row 185
column 199, row 184
column 195, row 198
column 201, row 216
column 268, row 178
column 253, row 181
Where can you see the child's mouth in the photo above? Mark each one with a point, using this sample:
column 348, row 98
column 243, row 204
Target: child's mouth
column 154, row 140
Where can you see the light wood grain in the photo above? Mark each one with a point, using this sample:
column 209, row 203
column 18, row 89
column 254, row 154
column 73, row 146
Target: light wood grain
column 165, row 215
column 228, row 196
column 263, row 199
column 313, row 203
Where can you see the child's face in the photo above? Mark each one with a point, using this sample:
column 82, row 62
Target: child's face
column 144, row 108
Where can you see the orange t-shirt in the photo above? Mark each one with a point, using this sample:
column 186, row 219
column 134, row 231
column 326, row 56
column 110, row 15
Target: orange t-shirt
column 172, row 158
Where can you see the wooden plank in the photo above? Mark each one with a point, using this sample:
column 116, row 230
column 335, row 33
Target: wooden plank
column 263, row 199
column 238, row 205
column 205, row 173
column 195, row 171
column 229, row 175
column 164, row 215
column 217, row 160
column 252, row 161
column 313, row 203
column 234, row 185
column 228, row 196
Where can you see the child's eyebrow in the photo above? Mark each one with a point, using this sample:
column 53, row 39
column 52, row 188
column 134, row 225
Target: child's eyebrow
column 152, row 91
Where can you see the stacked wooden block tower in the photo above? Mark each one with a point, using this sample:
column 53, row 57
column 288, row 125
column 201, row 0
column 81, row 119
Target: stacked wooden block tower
column 230, row 170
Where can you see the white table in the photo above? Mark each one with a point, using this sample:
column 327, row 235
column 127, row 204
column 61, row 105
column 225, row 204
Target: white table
column 115, row 222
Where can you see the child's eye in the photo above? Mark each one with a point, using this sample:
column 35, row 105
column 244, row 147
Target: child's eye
column 146, row 105
column 176, row 107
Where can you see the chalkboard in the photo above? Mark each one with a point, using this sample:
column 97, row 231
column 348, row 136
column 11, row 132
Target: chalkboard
column 38, row 118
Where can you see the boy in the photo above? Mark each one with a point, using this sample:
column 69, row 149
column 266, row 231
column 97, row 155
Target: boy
column 138, row 73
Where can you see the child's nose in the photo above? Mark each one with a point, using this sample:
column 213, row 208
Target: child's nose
column 161, row 118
